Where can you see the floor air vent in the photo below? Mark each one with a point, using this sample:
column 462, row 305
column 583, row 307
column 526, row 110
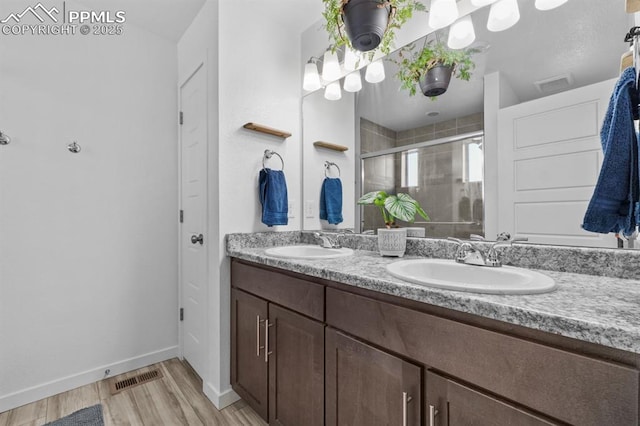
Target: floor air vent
column 118, row 386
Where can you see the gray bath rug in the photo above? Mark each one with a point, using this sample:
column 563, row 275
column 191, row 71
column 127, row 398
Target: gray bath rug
column 90, row 416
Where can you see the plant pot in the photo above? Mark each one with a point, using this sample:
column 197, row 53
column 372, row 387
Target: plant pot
column 365, row 23
column 436, row 81
column 392, row 242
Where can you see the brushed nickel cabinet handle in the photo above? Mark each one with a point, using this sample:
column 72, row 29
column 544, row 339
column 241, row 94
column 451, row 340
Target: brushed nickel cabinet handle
column 432, row 415
column 258, row 347
column 406, row 399
column 266, row 340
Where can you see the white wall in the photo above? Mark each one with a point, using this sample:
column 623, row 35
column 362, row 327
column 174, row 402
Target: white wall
column 333, row 122
column 88, row 241
column 253, row 65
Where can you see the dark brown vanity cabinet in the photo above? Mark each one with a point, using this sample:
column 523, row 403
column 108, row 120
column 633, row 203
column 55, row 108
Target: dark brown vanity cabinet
column 277, row 355
column 249, row 371
column 340, row 355
column 540, row 378
column 366, row 386
column 451, row 403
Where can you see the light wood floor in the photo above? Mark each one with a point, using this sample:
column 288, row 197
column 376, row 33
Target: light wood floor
column 175, row 399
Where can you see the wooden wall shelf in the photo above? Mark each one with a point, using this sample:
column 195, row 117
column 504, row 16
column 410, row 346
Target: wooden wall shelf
column 268, row 130
column 332, row 146
column 633, row 6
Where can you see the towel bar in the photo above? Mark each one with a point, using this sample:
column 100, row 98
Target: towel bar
column 267, row 155
column 4, row 139
column 327, row 166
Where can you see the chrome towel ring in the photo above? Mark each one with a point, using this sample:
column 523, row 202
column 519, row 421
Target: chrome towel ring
column 268, row 154
column 327, row 166
column 74, row 147
column 4, row 139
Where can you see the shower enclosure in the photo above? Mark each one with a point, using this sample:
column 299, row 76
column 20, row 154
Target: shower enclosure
column 445, row 176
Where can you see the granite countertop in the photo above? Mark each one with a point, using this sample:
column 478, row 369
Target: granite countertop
column 596, row 309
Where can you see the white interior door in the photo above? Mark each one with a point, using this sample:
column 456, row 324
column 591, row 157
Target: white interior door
column 549, row 157
column 193, row 199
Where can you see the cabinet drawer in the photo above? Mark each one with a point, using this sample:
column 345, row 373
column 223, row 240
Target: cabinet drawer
column 457, row 404
column 573, row 388
column 293, row 293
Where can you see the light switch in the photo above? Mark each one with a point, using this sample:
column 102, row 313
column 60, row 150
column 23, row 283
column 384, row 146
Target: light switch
column 309, row 209
column 291, row 213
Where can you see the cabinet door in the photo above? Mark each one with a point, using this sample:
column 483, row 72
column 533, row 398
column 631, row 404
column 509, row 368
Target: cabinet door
column 458, row 405
column 248, row 366
column 296, row 369
column 369, row 387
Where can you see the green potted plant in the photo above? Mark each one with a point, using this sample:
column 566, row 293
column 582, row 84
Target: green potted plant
column 432, row 67
column 367, row 23
column 392, row 240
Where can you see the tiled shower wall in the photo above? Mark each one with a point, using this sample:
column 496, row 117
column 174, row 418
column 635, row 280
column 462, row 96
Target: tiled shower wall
column 442, row 194
column 456, row 126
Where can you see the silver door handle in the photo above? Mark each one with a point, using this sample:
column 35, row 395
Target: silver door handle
column 195, row 239
column 266, row 340
column 258, row 347
column 406, row 399
column 432, row 415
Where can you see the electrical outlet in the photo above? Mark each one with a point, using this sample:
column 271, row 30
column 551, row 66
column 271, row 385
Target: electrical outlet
column 291, row 213
column 309, row 209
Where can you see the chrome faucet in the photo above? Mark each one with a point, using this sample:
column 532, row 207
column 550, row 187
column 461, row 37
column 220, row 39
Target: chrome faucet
column 332, row 241
column 325, row 241
column 471, row 254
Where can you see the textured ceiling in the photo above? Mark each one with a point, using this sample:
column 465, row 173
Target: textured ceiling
column 171, row 18
column 583, row 38
column 166, row 18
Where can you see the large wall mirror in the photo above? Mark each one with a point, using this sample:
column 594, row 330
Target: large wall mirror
column 514, row 149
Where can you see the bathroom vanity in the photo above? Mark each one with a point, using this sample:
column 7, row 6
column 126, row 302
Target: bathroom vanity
column 343, row 342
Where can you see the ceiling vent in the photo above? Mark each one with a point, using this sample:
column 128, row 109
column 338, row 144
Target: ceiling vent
column 554, row 84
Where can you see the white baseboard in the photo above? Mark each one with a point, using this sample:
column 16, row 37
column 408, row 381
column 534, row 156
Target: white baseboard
column 220, row 399
column 63, row 384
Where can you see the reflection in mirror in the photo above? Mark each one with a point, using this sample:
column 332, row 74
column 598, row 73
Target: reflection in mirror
column 444, row 176
column 541, row 89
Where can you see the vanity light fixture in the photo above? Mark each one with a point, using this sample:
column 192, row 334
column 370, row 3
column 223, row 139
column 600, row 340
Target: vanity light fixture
column 330, row 66
column 332, row 92
column 351, row 59
column 442, row 13
column 353, row 82
column 549, row 4
column 461, row 33
column 503, row 15
column 311, row 79
column 375, row 72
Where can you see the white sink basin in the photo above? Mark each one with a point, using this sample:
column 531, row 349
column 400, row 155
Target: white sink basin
column 308, row 252
column 450, row 275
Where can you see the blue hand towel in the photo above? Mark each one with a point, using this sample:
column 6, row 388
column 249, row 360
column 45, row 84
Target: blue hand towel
column 616, row 195
column 331, row 200
column 273, row 197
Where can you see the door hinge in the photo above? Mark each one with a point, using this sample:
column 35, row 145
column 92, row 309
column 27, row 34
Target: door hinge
column 181, row 314
column 181, row 216
column 181, row 118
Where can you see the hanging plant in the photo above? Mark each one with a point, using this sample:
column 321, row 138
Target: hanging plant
column 432, row 67
column 368, row 24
